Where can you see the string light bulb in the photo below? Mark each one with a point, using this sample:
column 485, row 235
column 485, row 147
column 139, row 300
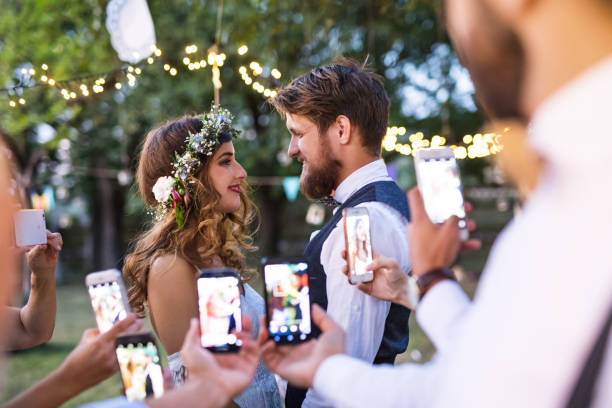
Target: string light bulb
column 243, row 49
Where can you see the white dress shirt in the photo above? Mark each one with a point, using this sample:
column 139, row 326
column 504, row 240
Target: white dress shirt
column 361, row 316
column 543, row 296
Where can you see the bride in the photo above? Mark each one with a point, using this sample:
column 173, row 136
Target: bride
column 188, row 173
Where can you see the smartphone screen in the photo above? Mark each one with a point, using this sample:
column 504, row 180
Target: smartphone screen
column 140, row 367
column 219, row 304
column 287, row 301
column 108, row 304
column 358, row 243
column 440, row 187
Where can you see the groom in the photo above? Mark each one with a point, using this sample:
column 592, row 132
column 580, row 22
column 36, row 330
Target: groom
column 337, row 116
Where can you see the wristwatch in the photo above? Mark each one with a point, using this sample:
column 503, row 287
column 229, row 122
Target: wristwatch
column 419, row 285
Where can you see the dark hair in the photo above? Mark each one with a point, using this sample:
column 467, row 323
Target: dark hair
column 344, row 87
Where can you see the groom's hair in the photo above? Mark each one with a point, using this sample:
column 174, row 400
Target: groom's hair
column 344, row 87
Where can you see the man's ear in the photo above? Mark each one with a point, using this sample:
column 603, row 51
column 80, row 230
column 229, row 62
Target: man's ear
column 343, row 124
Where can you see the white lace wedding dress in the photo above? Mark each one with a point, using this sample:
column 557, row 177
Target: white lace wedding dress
column 263, row 391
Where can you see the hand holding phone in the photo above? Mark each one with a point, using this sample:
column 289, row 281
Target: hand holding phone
column 287, row 299
column 108, row 297
column 438, row 180
column 140, row 366
column 358, row 244
column 219, row 308
column 30, row 228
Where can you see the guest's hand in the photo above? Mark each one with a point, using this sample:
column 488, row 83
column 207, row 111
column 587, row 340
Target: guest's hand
column 389, row 282
column 233, row 372
column 94, row 359
column 42, row 259
column 298, row 364
column 433, row 245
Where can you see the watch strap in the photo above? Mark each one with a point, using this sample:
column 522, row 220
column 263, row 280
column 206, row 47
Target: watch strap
column 429, row 279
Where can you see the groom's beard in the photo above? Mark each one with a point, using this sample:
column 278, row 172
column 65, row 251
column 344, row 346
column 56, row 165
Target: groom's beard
column 319, row 181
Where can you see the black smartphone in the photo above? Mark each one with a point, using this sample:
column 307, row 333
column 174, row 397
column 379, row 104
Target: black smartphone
column 140, row 366
column 287, row 299
column 219, row 307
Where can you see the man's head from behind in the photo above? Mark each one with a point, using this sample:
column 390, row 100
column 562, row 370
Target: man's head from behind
column 334, row 113
column 492, row 53
column 519, row 52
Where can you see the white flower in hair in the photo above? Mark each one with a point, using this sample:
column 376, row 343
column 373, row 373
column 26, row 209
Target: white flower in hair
column 163, row 188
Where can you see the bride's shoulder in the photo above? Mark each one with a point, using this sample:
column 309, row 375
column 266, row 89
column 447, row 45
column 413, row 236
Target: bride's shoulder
column 170, row 265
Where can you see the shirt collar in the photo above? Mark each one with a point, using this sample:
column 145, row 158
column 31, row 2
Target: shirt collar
column 371, row 172
column 576, row 116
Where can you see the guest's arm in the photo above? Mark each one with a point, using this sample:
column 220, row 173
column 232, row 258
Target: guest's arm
column 92, row 361
column 33, row 324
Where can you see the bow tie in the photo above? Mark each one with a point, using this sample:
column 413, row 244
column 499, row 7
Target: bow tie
column 328, row 202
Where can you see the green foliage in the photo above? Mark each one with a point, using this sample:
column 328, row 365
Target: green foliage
column 105, row 130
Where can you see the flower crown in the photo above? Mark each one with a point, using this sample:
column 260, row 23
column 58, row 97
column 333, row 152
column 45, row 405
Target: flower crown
column 172, row 193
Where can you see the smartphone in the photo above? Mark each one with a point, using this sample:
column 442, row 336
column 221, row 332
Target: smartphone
column 440, row 186
column 108, row 297
column 287, row 299
column 219, row 309
column 30, row 228
column 358, row 243
column 140, row 366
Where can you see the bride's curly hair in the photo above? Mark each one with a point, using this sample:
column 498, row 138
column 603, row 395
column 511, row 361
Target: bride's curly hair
column 206, row 233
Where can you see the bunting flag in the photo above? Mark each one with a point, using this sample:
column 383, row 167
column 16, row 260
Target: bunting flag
column 291, row 185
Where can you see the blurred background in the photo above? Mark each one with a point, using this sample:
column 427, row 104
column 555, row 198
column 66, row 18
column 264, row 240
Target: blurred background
column 74, row 115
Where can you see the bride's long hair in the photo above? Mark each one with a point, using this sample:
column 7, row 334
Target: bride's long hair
column 206, row 233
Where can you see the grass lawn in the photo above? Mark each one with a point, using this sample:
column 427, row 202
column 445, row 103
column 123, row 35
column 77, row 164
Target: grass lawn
column 22, row 369
column 74, row 315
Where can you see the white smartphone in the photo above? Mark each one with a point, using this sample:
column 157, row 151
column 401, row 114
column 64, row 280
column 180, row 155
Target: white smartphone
column 358, row 244
column 219, row 307
column 140, row 366
column 440, row 186
column 30, row 228
column 108, row 297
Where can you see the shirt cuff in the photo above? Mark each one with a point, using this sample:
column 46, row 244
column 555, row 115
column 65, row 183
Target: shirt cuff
column 440, row 310
column 336, row 373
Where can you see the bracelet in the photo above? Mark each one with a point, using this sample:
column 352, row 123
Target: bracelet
column 429, row 279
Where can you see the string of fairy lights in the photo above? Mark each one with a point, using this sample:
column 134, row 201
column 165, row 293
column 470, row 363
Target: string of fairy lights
column 254, row 75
